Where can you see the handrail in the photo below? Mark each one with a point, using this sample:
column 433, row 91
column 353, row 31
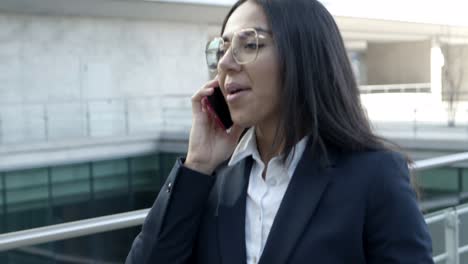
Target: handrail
column 134, row 218
column 71, row 229
column 413, row 87
column 439, row 161
column 435, row 218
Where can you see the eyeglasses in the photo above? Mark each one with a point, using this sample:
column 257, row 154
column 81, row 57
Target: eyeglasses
column 244, row 47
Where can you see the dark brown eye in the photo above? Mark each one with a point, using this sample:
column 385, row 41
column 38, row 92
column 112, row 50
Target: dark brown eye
column 252, row 46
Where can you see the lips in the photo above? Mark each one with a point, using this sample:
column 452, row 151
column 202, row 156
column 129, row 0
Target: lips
column 234, row 88
column 235, row 92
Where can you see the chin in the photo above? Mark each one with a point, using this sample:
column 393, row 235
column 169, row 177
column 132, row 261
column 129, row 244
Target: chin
column 241, row 121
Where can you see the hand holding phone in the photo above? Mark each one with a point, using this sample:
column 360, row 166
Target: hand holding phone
column 209, row 146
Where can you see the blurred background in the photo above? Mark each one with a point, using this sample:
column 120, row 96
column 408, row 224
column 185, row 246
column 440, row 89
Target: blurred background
column 95, row 107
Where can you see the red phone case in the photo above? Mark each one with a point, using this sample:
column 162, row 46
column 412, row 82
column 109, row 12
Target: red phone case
column 213, row 113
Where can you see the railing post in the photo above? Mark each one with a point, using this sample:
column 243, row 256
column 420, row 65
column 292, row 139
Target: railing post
column 88, row 120
column 46, row 123
column 451, row 237
column 127, row 122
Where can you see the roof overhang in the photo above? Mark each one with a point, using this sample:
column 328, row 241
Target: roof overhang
column 354, row 30
column 131, row 9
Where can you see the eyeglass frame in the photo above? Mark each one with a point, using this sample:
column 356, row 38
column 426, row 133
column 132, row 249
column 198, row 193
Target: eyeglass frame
column 222, row 39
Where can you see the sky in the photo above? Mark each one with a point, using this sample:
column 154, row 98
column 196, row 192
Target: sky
column 446, row 12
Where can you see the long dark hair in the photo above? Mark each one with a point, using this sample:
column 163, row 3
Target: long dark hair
column 320, row 96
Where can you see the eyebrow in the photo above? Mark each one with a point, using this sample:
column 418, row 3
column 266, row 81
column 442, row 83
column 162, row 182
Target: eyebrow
column 259, row 29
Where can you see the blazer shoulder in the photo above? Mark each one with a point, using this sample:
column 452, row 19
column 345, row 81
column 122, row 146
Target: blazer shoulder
column 381, row 157
column 375, row 169
column 383, row 175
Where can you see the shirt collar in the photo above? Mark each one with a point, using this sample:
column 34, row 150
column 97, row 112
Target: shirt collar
column 247, row 146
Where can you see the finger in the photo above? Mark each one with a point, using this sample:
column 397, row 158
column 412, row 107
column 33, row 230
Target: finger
column 208, row 111
column 198, row 97
column 204, row 106
column 206, row 90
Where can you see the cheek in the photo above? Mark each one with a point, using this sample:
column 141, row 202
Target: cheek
column 268, row 67
column 267, row 80
column 221, row 78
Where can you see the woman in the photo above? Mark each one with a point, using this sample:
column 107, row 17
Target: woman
column 299, row 177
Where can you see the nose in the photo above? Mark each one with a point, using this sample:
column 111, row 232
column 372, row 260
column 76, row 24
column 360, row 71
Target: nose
column 227, row 62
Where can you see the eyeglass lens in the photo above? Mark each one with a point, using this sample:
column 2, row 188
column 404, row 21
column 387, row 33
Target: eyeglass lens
column 244, row 48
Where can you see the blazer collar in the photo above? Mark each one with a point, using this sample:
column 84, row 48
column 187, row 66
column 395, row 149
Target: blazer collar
column 231, row 212
column 299, row 203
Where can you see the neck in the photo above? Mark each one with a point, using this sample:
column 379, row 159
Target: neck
column 265, row 139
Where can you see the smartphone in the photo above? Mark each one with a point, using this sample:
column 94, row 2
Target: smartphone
column 219, row 107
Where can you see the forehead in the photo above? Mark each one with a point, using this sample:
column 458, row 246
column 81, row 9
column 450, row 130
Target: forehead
column 247, row 15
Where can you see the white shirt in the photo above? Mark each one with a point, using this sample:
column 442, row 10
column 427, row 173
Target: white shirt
column 263, row 196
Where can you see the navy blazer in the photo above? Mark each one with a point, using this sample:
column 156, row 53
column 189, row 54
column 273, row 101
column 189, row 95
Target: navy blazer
column 360, row 208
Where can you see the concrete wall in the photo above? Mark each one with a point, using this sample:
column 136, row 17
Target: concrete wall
column 398, row 63
column 64, row 77
column 70, row 77
column 456, row 79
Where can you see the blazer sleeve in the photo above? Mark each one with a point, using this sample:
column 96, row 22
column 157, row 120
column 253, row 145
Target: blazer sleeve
column 170, row 228
column 395, row 230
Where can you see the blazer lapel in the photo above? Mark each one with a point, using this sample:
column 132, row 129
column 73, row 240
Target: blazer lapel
column 231, row 212
column 302, row 196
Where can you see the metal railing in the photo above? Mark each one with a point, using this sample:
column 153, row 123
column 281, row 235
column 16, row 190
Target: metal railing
column 439, row 161
column 120, row 116
column 450, row 218
column 93, row 118
column 71, row 229
column 396, row 88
